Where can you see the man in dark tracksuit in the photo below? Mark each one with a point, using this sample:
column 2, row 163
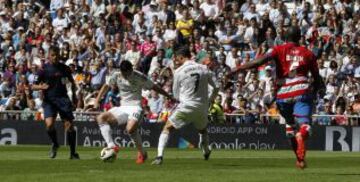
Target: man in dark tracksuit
column 52, row 81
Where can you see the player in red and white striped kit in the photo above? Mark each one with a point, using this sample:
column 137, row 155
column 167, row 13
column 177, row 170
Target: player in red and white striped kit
column 295, row 91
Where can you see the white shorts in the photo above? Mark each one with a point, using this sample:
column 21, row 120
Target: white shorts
column 183, row 115
column 125, row 113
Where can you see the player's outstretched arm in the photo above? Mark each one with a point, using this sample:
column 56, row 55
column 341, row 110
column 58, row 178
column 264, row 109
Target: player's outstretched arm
column 252, row 64
column 100, row 95
column 161, row 91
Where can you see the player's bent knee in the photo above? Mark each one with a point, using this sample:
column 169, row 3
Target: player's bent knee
column 101, row 118
column 50, row 127
column 49, row 122
column 168, row 127
column 131, row 126
column 131, row 130
column 98, row 119
column 106, row 117
column 305, row 130
column 68, row 126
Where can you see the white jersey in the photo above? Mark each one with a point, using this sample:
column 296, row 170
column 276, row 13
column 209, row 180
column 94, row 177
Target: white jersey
column 130, row 89
column 191, row 82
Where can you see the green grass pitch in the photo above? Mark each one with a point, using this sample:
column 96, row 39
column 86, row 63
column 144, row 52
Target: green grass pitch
column 31, row 163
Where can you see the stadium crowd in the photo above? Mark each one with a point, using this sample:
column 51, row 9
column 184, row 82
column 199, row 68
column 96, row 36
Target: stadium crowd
column 94, row 36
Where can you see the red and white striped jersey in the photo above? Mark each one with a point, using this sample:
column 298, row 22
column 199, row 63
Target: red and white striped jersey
column 293, row 64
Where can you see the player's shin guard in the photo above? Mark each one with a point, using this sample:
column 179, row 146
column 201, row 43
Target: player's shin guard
column 53, row 136
column 71, row 136
column 163, row 139
column 106, row 133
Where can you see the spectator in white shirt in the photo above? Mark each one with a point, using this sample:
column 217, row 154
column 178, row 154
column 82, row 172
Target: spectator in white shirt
column 97, row 8
column 262, row 7
column 227, row 40
column 249, row 32
column 170, row 33
column 77, row 38
column 133, row 55
column 150, row 14
column 139, row 16
column 56, row 4
column 322, row 68
column 332, row 70
column 245, row 7
column 305, row 14
column 60, row 22
column 273, row 10
column 210, row 9
column 252, row 13
column 232, row 58
column 162, row 14
column 357, row 6
column 195, row 10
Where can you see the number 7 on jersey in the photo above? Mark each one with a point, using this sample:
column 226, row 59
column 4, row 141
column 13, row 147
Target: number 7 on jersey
column 197, row 81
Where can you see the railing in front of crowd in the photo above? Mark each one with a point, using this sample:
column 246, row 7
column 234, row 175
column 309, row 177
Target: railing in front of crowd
column 229, row 118
column 320, row 119
column 38, row 116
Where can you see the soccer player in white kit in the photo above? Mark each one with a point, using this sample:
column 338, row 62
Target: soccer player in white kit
column 130, row 84
column 190, row 88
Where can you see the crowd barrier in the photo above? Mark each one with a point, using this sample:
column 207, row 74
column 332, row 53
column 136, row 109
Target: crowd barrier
column 91, row 116
column 15, row 131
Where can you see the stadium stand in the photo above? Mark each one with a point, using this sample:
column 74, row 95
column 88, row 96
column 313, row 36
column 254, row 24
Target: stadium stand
column 94, row 36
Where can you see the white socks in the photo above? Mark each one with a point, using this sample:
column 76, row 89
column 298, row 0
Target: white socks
column 136, row 137
column 163, row 139
column 204, row 142
column 106, row 133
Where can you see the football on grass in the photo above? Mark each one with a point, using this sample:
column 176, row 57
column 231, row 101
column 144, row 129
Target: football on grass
column 107, row 155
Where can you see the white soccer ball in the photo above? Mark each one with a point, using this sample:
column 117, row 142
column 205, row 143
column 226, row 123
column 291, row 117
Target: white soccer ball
column 108, row 154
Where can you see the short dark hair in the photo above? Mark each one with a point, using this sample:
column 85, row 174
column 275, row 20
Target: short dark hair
column 54, row 49
column 293, row 34
column 125, row 66
column 183, row 51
